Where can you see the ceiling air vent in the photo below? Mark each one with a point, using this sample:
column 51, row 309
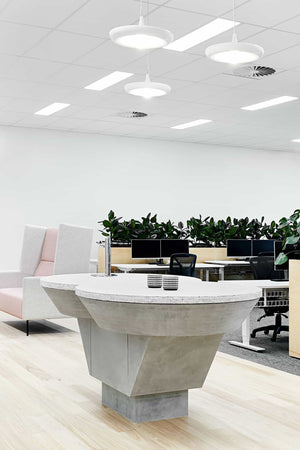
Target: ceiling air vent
column 254, row 72
column 132, row 115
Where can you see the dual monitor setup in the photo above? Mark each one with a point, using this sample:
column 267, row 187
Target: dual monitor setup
column 247, row 248
column 236, row 248
column 157, row 248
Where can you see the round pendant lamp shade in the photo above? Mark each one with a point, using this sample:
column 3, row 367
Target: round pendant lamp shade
column 141, row 36
column 147, row 89
column 234, row 52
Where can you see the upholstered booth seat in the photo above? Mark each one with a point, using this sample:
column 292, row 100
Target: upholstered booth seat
column 46, row 251
column 11, row 300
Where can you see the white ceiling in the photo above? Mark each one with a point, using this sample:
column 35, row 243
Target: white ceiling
column 51, row 49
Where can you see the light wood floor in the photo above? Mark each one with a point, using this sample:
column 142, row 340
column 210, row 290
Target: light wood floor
column 49, row 401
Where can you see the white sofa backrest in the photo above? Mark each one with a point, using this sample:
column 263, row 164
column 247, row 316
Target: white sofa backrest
column 73, row 249
column 32, row 248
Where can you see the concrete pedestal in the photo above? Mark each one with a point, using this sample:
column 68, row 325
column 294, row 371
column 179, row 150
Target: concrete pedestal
column 146, row 408
column 149, row 346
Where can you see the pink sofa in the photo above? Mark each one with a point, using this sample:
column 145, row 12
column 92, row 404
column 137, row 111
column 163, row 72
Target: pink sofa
column 46, row 251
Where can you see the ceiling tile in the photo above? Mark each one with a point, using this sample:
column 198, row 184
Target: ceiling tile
column 98, row 17
column 161, row 61
column 10, row 117
column 24, row 105
column 36, row 121
column 31, row 69
column 6, row 62
column 110, row 55
column 274, row 41
column 198, row 70
column 267, row 13
column 292, row 25
column 286, row 59
column 45, row 13
column 31, row 90
column 94, row 113
column 197, row 91
column 95, row 126
column 214, row 8
column 227, row 79
column 16, row 39
column 78, row 76
column 177, row 21
column 63, row 47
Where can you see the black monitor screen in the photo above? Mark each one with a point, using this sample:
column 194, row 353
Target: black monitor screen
column 289, row 251
column 145, row 248
column 239, row 247
column 262, row 246
column 170, row 246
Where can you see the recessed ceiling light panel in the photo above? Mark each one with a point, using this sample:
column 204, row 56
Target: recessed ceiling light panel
column 194, row 123
column 295, row 140
column 109, row 80
column 269, row 103
column 202, row 34
column 52, row 109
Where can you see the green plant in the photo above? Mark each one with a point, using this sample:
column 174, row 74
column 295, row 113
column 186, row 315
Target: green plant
column 212, row 233
column 290, row 229
column 203, row 231
column 123, row 231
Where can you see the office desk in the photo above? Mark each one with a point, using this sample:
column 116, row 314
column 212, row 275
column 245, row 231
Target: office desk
column 276, row 289
column 126, row 268
column 228, row 263
column 149, row 346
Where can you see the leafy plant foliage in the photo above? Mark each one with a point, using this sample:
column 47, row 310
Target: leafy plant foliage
column 123, row 231
column 290, row 232
column 206, row 232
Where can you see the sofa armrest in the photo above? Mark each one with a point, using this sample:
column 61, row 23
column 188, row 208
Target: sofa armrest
column 11, row 279
column 36, row 303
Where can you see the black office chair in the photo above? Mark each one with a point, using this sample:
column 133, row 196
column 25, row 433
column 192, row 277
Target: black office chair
column 183, row 264
column 263, row 269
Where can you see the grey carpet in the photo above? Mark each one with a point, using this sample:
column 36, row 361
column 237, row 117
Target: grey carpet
column 276, row 354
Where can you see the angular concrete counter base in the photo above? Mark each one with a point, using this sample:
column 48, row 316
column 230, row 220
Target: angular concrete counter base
column 146, row 408
column 148, row 347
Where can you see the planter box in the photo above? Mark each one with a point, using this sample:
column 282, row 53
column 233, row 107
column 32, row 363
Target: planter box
column 294, row 309
column 122, row 255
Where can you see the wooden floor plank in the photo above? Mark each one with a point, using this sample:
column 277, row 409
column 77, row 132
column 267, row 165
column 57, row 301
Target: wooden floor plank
column 49, row 401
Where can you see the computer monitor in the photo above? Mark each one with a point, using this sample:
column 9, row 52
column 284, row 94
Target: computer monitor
column 262, row 246
column 170, row 246
column 237, row 248
column 145, row 248
column 289, row 251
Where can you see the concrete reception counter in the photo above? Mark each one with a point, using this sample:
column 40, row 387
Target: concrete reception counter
column 149, row 346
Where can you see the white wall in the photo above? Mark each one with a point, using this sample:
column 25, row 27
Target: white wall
column 48, row 177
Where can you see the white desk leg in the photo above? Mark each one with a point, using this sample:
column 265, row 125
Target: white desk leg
column 246, row 338
column 221, row 274
column 206, row 274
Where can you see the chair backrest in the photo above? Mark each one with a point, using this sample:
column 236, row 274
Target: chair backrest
column 262, row 267
column 33, row 240
column 46, row 264
column 183, row 264
column 73, row 249
column 48, row 251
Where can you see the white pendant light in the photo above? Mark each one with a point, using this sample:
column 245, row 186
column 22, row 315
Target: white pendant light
column 234, row 52
column 141, row 36
column 147, row 89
